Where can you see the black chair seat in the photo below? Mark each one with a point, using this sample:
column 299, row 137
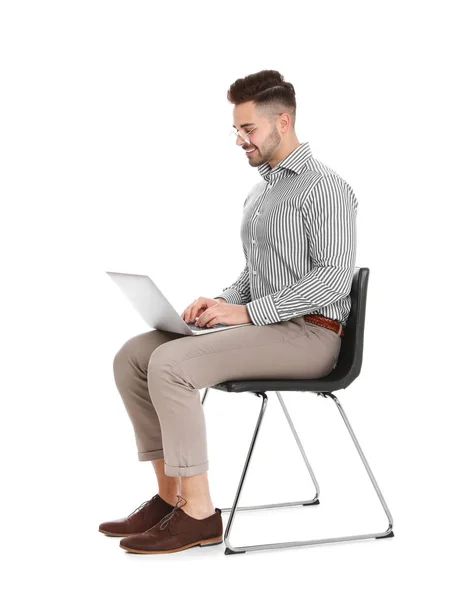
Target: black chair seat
column 349, row 361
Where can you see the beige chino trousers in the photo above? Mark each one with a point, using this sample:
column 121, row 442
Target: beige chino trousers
column 159, row 374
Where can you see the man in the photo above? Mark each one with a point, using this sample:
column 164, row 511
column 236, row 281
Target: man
column 299, row 240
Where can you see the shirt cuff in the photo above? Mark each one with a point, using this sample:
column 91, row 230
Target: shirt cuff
column 263, row 311
column 231, row 295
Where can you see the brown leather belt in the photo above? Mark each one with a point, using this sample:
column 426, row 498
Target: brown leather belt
column 326, row 322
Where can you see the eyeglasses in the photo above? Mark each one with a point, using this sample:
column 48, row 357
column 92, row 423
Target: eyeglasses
column 245, row 137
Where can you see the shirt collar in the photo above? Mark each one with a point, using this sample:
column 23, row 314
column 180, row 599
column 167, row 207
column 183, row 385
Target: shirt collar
column 293, row 162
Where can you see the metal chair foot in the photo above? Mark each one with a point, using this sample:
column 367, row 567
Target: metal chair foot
column 228, row 551
column 317, row 501
column 381, row 537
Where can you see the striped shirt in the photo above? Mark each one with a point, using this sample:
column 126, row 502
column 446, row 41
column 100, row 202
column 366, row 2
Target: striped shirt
column 299, row 240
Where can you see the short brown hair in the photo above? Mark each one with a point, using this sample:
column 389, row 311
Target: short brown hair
column 268, row 90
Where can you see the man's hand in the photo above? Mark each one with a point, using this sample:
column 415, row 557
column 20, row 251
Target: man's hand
column 223, row 313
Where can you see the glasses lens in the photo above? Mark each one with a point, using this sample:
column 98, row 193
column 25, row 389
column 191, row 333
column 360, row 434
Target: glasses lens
column 234, row 133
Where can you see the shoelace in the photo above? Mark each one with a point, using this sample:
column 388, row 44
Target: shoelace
column 143, row 504
column 167, row 519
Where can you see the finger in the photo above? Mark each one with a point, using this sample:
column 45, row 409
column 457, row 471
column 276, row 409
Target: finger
column 209, row 321
column 209, row 318
column 201, row 317
column 193, row 313
column 202, row 320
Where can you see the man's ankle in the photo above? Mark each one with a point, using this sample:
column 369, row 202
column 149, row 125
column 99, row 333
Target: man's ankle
column 169, row 497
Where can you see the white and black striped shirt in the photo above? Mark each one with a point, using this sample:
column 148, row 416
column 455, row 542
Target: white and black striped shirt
column 299, row 240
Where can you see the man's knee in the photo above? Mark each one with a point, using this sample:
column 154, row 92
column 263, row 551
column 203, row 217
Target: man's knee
column 160, row 359
column 130, row 353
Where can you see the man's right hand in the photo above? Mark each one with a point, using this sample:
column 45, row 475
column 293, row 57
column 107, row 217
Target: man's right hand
column 197, row 307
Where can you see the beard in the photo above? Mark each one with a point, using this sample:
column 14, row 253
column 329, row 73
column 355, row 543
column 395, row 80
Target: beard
column 267, row 149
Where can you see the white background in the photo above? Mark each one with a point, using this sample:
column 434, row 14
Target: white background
column 115, row 156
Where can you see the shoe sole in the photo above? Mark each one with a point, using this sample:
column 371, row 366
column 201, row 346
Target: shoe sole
column 209, row 542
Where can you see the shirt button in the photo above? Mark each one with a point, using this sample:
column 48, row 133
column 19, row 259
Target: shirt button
column 257, row 212
column 254, row 272
column 253, row 241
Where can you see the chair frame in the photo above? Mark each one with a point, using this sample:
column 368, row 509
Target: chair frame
column 230, row 549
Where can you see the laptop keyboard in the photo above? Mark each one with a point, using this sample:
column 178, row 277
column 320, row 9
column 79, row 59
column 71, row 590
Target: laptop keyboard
column 217, row 326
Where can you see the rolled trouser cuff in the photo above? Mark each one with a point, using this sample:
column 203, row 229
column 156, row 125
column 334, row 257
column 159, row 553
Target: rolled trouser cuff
column 152, row 455
column 172, row 471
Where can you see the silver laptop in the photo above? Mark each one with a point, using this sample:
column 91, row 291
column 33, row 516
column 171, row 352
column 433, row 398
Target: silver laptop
column 155, row 309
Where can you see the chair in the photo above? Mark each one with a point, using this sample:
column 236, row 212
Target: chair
column 347, row 370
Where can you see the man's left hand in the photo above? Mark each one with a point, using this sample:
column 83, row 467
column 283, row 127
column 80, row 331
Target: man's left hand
column 224, row 313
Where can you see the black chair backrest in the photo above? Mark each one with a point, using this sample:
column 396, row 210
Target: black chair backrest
column 351, row 352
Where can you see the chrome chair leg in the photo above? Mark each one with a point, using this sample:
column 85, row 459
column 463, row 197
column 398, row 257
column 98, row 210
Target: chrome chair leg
column 311, row 501
column 230, row 549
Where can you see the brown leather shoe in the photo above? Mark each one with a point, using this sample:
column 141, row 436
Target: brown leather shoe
column 177, row 531
column 149, row 513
